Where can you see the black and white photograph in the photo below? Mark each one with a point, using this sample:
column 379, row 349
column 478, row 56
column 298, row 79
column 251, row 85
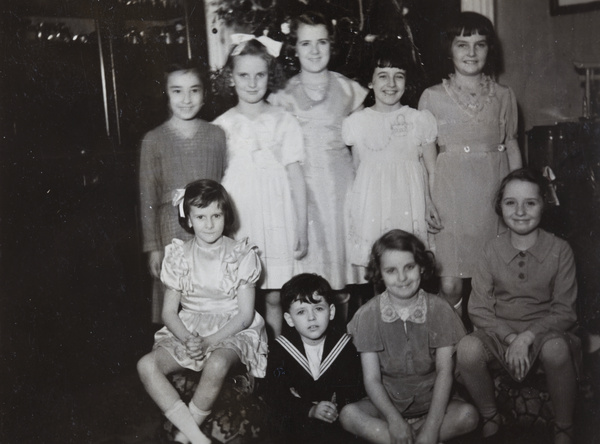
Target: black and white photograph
column 300, row 221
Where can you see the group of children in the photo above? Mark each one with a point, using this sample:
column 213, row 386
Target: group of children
column 295, row 204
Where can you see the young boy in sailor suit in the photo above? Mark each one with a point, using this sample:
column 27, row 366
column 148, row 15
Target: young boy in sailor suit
column 313, row 370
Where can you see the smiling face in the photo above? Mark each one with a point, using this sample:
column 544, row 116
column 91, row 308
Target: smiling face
column 388, row 85
column 186, row 94
column 313, row 48
column 469, row 54
column 208, row 223
column 250, row 77
column 522, row 207
column 401, row 275
column 310, row 320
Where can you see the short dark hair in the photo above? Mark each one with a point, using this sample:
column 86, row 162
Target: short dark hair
column 188, row 65
column 303, row 288
column 524, row 175
column 394, row 53
column 469, row 23
column 201, row 194
column 398, row 240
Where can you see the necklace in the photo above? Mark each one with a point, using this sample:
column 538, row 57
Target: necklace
column 316, row 92
column 471, row 101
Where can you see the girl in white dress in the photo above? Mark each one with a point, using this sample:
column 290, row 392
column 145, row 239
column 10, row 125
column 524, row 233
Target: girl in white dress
column 393, row 149
column 264, row 174
column 212, row 277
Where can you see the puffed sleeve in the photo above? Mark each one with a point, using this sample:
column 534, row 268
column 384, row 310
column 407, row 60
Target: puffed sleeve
column 363, row 328
column 175, row 271
column 291, row 138
column 241, row 266
column 348, row 134
column 445, row 327
column 425, row 127
column 510, row 116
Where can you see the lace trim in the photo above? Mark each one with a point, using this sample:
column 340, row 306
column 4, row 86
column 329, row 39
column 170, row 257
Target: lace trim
column 469, row 102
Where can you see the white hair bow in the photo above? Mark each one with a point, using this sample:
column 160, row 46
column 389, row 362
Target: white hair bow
column 273, row 46
column 178, row 200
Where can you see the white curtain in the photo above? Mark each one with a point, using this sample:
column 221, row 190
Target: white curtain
column 483, row 7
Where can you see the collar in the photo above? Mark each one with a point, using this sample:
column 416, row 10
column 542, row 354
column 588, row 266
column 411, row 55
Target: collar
column 539, row 250
column 417, row 313
column 296, row 351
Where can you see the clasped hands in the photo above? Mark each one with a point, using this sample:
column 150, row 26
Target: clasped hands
column 195, row 346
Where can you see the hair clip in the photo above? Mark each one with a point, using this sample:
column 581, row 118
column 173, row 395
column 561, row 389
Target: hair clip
column 177, row 201
column 273, row 46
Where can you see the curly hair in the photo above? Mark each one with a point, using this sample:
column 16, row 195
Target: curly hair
column 467, row 24
column 309, row 18
column 398, row 240
column 524, row 175
column 303, row 288
column 222, row 79
column 201, row 193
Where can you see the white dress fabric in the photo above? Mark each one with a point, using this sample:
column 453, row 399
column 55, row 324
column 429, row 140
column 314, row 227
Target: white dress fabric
column 208, row 279
column 258, row 151
column 389, row 189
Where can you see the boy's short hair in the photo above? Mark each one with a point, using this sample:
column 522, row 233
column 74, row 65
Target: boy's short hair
column 303, row 288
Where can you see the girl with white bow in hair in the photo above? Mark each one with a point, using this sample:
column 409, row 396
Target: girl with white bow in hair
column 264, row 175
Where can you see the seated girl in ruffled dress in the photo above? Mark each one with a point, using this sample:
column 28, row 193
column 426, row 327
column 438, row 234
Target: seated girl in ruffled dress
column 212, row 277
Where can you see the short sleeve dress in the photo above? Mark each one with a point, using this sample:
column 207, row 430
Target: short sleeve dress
column 533, row 290
column 389, row 189
column 328, row 169
column 208, row 279
column 406, row 349
column 256, row 179
column 168, row 162
column 472, row 162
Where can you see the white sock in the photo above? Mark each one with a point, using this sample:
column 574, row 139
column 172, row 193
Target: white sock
column 198, row 415
column 180, row 416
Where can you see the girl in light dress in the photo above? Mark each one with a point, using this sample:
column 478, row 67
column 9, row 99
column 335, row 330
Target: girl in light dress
column 523, row 305
column 406, row 339
column 179, row 151
column 477, row 141
column 320, row 99
column 264, row 174
column 393, row 149
column 212, row 277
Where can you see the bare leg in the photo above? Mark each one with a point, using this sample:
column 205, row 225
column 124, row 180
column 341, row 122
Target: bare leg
column 472, row 365
column 460, row 418
column 556, row 359
column 213, row 375
column 362, row 419
column 153, row 369
column 273, row 311
column 451, row 289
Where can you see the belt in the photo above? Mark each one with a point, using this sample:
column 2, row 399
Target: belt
column 475, row 148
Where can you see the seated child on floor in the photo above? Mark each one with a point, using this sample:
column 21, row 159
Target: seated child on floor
column 523, row 306
column 406, row 340
column 313, row 370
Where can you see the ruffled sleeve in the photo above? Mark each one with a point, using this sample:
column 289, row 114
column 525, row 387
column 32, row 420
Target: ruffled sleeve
column 241, row 266
column 363, row 328
column 292, row 140
column 444, row 325
column 425, row 127
column 175, row 272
